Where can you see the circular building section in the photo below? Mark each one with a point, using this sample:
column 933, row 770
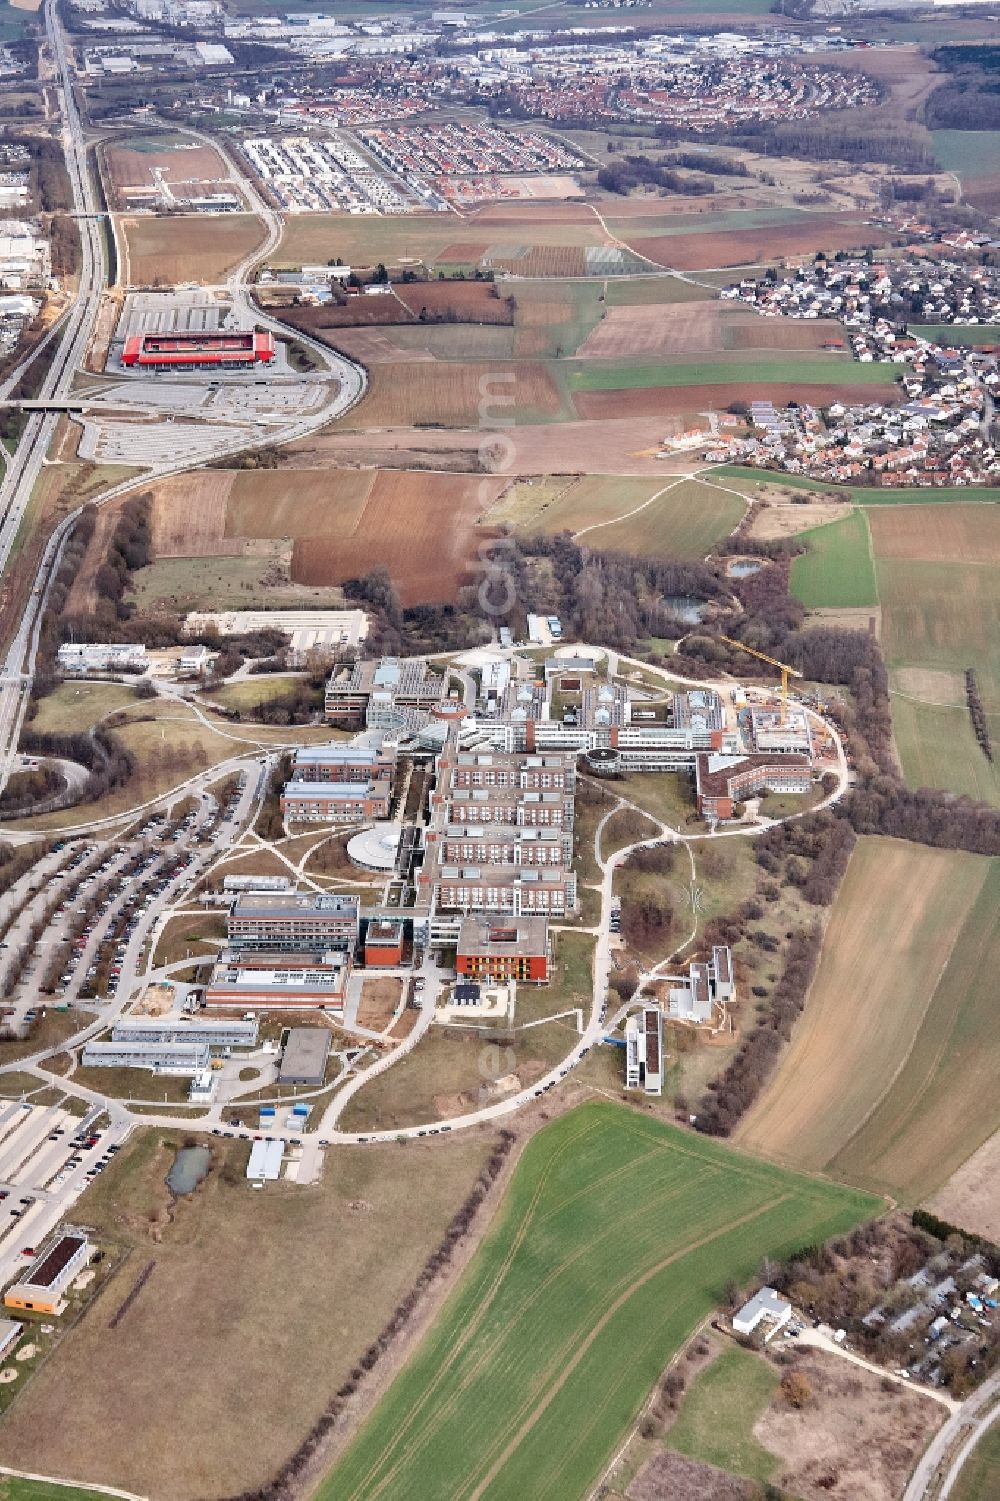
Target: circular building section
column 375, row 849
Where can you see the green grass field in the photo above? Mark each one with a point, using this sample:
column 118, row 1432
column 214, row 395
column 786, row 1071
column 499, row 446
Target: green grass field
column 923, row 1128
column 979, row 1477
column 13, row 1488
column 716, row 1420
column 838, row 570
column 685, row 522
column 960, row 333
column 938, row 748
column 944, row 616
column 970, row 153
column 862, row 495
column 756, row 365
column 655, row 291
column 617, row 1235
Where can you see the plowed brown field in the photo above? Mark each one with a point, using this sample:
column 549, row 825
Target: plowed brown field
column 201, row 248
column 749, row 247
column 642, row 332
column 423, row 527
column 457, row 395
column 937, row 534
column 279, row 503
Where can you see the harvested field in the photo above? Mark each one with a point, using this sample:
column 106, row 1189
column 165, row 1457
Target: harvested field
column 943, row 615
column 638, row 332
column 661, row 401
column 189, row 514
column 969, row 1198
column 220, row 1302
column 506, row 215
column 422, row 527
column 742, row 332
column 540, row 260
column 750, row 247
column 586, row 1291
column 618, row 446
column 937, row 534
column 455, row 341
column 568, row 503
column 461, row 301
column 780, row 516
column 880, row 1002
column 372, row 347
column 273, row 503
column 458, row 395
column 190, row 247
column 923, row 1127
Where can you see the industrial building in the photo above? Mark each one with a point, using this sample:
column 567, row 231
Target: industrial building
column 293, row 922
column 490, row 948
column 644, row 1051
column 50, row 1274
column 723, row 781
column 159, row 1057
column 81, row 657
column 218, row 1034
column 265, row 1161
column 201, row 350
column 308, row 631
column 390, row 694
column 241, row 987
column 303, row 1060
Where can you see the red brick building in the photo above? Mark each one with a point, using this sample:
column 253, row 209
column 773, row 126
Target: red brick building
column 499, row 948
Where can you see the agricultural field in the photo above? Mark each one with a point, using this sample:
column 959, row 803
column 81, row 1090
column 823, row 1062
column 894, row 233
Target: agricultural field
column 861, row 495
column 939, row 585
column 764, row 368
column 579, row 1295
column 201, row 248
column 457, row 394
column 875, row 1084
column 219, row 1301
column 838, row 569
column 681, row 518
column 423, row 527
column 742, row 243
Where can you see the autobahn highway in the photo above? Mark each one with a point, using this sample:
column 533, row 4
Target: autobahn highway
column 75, row 331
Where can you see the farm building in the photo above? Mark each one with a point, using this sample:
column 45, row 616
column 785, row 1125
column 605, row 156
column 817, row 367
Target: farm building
column 50, row 1274
column 304, row 1058
column 204, row 350
column 765, row 1307
column 490, row 948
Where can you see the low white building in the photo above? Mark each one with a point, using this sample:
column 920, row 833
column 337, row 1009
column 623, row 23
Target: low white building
column 80, row 657
column 765, row 1307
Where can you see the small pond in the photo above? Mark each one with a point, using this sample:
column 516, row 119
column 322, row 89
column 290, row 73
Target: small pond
column 190, row 1166
column 686, row 607
column 741, row 568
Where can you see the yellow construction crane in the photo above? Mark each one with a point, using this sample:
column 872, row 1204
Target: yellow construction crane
column 783, row 668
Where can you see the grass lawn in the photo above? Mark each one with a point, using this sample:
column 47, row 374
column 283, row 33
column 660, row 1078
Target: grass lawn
column 580, row 1294
column 134, row 1084
column 876, row 1082
column 651, row 291
column 251, row 692
column 757, row 365
column 13, row 1488
column 225, row 582
column 220, row 1316
column 979, row 1478
column 78, row 706
column 957, row 333
column 716, row 1419
column 837, row 570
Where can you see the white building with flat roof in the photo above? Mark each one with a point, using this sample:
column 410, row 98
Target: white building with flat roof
column 79, row 657
column 765, row 1307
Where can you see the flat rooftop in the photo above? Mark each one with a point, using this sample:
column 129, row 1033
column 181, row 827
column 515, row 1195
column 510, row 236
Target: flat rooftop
column 49, row 1268
column 306, row 1052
